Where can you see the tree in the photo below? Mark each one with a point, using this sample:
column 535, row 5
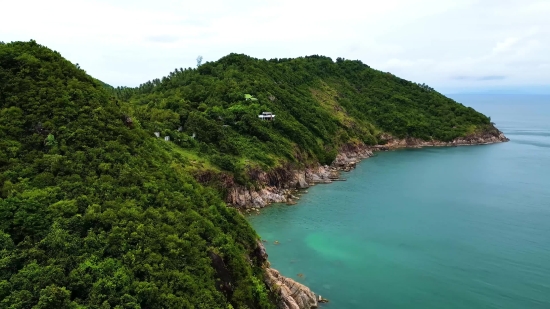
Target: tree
column 199, row 61
column 50, row 140
column 107, row 216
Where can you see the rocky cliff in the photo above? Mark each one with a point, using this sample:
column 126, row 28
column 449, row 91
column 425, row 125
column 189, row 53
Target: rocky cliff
column 292, row 294
column 288, row 293
column 484, row 138
column 280, row 186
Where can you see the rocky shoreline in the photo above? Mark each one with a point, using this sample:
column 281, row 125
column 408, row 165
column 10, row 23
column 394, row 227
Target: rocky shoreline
column 284, row 188
column 476, row 139
column 292, row 294
column 284, row 191
column 289, row 293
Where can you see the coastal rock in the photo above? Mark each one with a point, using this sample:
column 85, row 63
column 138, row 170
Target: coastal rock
column 243, row 197
column 350, row 155
column 334, row 174
column 318, row 174
column 292, row 294
column 272, row 195
column 300, row 178
column 256, row 199
column 259, row 254
column 277, row 186
column 490, row 137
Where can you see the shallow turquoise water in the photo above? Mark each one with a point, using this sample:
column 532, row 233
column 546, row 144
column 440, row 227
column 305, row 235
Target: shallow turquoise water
column 464, row 227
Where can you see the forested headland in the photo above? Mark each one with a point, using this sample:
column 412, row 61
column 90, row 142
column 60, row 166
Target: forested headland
column 97, row 211
column 211, row 112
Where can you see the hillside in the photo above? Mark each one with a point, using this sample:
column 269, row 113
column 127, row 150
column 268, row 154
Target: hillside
column 95, row 213
column 320, row 106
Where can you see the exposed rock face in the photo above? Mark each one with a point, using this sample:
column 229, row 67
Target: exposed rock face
column 224, row 280
column 301, row 182
column 292, row 294
column 350, row 155
column 259, row 254
column 334, row 174
column 318, row 174
column 474, row 139
column 278, row 186
column 240, row 196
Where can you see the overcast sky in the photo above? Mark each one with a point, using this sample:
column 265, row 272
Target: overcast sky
column 452, row 45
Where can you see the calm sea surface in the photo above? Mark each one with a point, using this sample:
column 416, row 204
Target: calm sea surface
column 464, row 227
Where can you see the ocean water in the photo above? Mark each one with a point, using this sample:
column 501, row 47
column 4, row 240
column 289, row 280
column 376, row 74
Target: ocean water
column 464, row 227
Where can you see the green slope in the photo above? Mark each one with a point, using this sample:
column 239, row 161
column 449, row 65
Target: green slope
column 94, row 212
column 320, row 105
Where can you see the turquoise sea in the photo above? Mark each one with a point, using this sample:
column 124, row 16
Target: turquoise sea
column 464, row 227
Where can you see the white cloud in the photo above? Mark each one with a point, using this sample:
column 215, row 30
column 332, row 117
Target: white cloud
column 123, row 42
column 505, row 45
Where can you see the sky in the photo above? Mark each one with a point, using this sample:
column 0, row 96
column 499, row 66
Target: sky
column 455, row 46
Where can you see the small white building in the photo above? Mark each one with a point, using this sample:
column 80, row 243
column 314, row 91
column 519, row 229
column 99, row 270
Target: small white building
column 157, row 134
column 167, row 138
column 266, row 116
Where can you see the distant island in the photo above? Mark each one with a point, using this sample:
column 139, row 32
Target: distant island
column 118, row 197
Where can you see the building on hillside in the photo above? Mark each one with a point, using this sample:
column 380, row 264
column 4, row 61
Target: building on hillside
column 267, row 116
column 167, row 138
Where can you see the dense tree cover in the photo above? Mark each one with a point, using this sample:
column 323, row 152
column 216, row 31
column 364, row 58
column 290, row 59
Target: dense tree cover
column 95, row 212
column 319, row 104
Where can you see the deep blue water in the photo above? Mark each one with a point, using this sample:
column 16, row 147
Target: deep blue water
column 464, row 227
